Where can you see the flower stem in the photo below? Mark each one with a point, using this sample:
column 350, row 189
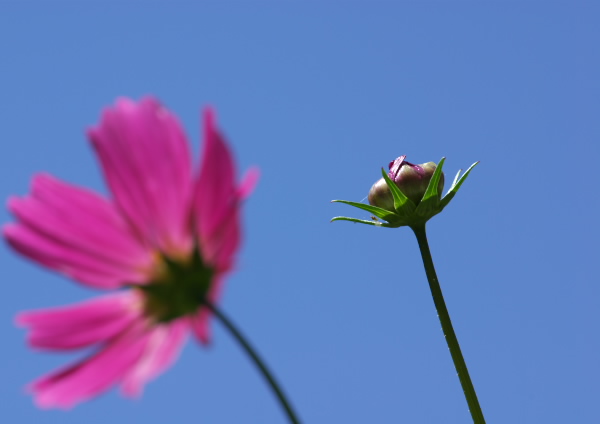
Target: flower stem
column 260, row 364
column 440, row 306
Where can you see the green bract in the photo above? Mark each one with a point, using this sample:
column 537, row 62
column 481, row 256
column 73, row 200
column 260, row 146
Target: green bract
column 406, row 213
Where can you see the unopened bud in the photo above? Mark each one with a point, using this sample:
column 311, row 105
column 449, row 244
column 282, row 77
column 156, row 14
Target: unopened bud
column 403, row 196
column 412, row 180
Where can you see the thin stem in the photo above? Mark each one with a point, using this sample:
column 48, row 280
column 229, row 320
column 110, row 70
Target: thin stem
column 260, row 364
column 440, row 306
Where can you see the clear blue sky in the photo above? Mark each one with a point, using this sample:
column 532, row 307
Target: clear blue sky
column 320, row 95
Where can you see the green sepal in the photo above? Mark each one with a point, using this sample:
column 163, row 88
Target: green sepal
column 403, row 205
column 431, row 198
column 179, row 290
column 406, row 213
column 364, row 221
column 378, row 212
column 432, row 187
column 455, row 186
column 455, row 179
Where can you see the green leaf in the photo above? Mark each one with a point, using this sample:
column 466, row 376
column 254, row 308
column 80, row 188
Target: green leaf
column 455, row 187
column 363, row 221
column 378, row 212
column 402, row 204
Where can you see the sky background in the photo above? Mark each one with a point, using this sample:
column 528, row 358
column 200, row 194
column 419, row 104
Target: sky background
column 321, row 95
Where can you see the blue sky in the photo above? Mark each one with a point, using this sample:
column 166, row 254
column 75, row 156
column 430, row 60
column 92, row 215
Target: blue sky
column 321, row 95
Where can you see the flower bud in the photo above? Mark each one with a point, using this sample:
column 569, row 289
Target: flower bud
column 411, row 179
column 389, row 197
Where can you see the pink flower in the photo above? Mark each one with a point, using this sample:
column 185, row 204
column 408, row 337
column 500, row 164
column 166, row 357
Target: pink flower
column 167, row 235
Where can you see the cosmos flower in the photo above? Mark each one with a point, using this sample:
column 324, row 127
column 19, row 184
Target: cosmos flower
column 163, row 243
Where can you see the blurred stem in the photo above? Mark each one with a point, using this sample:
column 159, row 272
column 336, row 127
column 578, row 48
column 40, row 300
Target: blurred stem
column 260, row 364
column 440, row 306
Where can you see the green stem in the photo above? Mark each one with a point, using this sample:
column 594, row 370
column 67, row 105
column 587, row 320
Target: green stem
column 440, row 306
column 260, row 364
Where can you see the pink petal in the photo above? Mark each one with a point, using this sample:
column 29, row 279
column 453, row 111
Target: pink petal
column 217, row 199
column 93, row 375
column 226, row 240
column 215, row 187
column 201, row 326
column 81, row 324
column 146, row 162
column 200, row 322
column 249, row 181
column 77, row 232
column 226, row 237
column 161, row 351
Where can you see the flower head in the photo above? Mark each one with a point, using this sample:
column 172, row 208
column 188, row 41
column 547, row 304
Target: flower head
column 168, row 235
column 408, row 194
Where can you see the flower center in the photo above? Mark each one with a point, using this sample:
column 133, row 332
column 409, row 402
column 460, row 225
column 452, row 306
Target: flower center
column 178, row 288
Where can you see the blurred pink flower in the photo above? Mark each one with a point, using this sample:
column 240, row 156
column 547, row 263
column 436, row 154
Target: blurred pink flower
column 167, row 235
